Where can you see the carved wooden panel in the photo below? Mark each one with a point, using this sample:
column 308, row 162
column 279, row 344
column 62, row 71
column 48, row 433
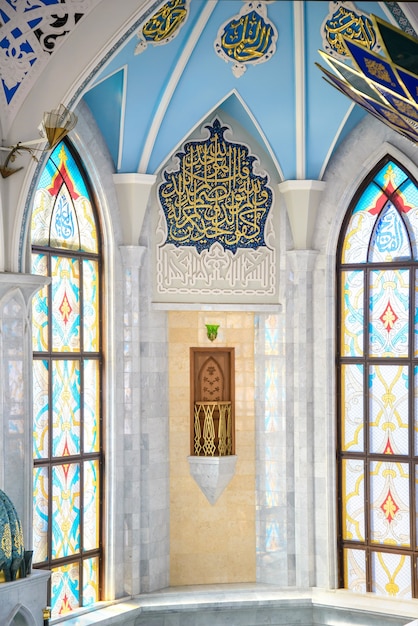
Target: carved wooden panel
column 211, row 381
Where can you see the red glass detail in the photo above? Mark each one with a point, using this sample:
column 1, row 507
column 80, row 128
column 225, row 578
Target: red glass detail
column 394, row 196
column 388, row 318
column 66, row 469
column 66, row 606
column 389, row 507
column 388, row 449
column 65, row 309
column 62, row 176
column 66, row 451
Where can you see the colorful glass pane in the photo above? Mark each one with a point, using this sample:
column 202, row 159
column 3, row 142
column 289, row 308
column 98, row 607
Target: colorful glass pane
column 65, row 274
column 389, row 313
column 416, row 506
column 66, row 407
column 389, row 507
column 91, row 404
column 67, row 390
column 407, row 204
column 416, row 317
column 390, row 241
column 65, row 510
column 416, row 410
column 43, row 206
column 65, row 589
column 64, row 228
column 389, row 409
column 353, row 499
column 90, row 305
column 40, row 306
column 91, row 505
column 40, row 408
column 90, row 581
column 62, row 215
column 352, row 311
column 391, row 575
column 355, row 570
column 390, row 176
column 40, row 506
column 360, row 227
column 352, row 394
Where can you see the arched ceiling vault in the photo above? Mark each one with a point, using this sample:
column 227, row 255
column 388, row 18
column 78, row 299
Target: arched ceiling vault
column 147, row 95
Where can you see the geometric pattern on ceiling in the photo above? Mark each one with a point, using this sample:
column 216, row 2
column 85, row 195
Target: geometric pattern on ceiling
column 31, row 31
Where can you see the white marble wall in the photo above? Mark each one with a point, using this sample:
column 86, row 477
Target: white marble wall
column 295, row 454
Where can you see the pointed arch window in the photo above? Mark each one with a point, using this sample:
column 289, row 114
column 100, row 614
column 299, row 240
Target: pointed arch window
column 377, row 378
column 67, row 362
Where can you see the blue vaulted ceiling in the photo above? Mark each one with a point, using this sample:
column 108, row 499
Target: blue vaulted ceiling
column 147, row 104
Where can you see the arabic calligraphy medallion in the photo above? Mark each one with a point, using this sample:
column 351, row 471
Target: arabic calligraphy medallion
column 164, row 25
column 347, row 22
column 215, row 196
column 248, row 38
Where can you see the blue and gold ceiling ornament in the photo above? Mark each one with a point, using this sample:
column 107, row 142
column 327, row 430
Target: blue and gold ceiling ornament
column 385, row 84
column 349, row 22
column 164, row 25
column 215, row 196
column 247, row 39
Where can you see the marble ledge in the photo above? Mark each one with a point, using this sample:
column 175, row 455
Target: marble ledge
column 221, row 307
column 243, row 596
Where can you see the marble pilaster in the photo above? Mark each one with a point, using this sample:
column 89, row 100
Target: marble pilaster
column 16, row 291
column 301, row 267
column 132, row 257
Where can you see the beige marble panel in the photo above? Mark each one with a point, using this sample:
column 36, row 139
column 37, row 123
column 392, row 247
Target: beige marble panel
column 211, row 543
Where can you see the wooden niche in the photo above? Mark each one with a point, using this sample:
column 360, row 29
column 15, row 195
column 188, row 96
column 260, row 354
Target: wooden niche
column 212, row 424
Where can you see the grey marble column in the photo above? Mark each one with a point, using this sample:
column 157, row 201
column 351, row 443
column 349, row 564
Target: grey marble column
column 128, row 479
column 301, row 408
column 16, row 425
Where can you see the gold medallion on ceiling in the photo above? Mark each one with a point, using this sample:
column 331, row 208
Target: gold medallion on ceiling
column 247, row 39
column 164, row 25
column 345, row 21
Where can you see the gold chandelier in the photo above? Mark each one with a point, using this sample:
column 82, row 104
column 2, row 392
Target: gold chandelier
column 384, row 83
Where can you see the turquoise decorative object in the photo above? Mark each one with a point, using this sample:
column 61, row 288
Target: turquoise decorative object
column 12, row 554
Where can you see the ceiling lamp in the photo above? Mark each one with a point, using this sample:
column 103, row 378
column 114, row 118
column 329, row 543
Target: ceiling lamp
column 386, row 83
column 54, row 127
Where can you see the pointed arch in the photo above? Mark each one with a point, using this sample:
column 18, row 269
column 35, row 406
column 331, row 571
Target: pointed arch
column 67, row 365
column 377, row 271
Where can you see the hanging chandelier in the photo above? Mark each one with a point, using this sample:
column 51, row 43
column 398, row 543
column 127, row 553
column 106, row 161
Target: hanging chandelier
column 384, row 83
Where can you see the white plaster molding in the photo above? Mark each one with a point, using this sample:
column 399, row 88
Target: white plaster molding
column 26, row 284
column 300, row 78
column 212, row 473
column 302, row 198
column 132, row 256
column 133, row 192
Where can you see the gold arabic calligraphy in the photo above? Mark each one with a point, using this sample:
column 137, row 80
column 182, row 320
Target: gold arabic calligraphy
column 215, row 196
column 165, row 21
column 247, row 38
column 346, row 24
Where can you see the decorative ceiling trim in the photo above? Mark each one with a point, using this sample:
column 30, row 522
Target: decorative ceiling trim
column 299, row 43
column 31, row 32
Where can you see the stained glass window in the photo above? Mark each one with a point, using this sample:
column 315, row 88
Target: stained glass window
column 66, row 384
column 377, row 371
